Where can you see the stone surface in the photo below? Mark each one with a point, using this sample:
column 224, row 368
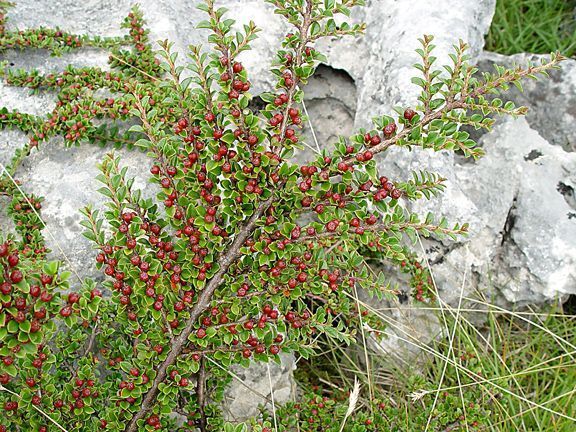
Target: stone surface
column 551, row 102
column 519, row 201
column 523, row 234
column 536, row 254
column 65, row 177
column 253, row 386
column 330, row 103
column 393, row 31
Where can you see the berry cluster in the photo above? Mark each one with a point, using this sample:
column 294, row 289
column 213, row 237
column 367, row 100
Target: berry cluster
column 141, row 62
column 28, row 300
column 28, row 305
column 420, row 281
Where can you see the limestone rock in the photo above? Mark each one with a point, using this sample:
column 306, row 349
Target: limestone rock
column 536, row 255
column 551, row 102
column 519, row 201
column 392, row 36
column 253, row 387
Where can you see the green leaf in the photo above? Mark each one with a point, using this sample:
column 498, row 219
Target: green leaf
column 136, row 128
column 51, row 268
column 25, row 326
column 419, row 81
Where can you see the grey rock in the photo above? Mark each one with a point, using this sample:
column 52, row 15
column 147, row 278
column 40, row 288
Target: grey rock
column 538, row 246
column 519, row 202
column 256, row 385
column 10, row 140
column 392, row 36
column 96, row 17
column 330, row 104
column 551, row 102
column 409, row 328
column 65, row 177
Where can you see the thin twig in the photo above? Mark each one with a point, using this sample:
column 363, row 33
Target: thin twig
column 91, row 341
column 2, row 388
column 310, row 125
column 3, row 168
column 272, row 397
column 200, row 394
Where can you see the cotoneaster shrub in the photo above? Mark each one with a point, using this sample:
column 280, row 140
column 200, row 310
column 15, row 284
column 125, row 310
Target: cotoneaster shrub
column 243, row 254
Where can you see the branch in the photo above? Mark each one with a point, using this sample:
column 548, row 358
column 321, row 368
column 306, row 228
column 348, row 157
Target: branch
column 91, row 341
column 460, row 103
column 224, row 263
column 201, row 380
column 398, row 226
column 306, row 22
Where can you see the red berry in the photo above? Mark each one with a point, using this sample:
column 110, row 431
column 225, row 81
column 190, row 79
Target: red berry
column 332, row 225
column 47, row 279
column 73, row 298
column 409, row 114
column 13, row 260
column 16, row 276
column 6, row 288
column 66, row 311
column 390, row 129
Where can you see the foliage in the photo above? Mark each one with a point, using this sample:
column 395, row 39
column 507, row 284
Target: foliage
column 515, row 373
column 242, row 254
column 536, row 26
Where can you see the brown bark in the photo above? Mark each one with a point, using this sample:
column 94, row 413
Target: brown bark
column 224, row 263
